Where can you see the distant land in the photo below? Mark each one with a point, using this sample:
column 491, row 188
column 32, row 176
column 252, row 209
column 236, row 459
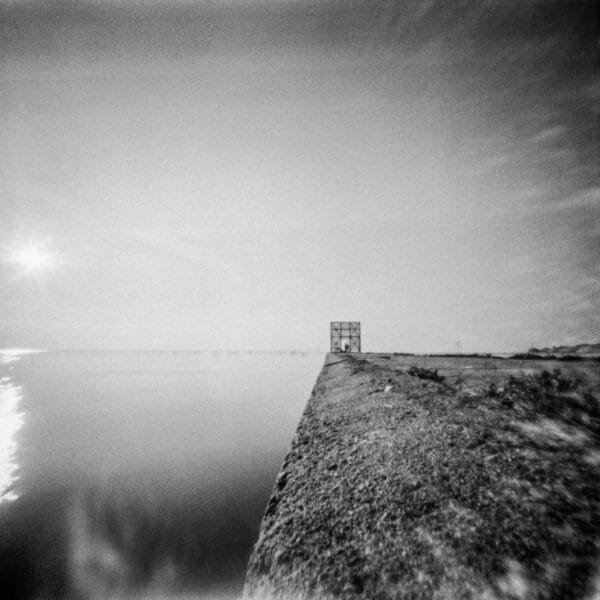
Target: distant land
column 577, row 349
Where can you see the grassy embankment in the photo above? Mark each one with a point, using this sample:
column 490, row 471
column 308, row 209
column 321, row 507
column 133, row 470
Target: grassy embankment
column 422, row 477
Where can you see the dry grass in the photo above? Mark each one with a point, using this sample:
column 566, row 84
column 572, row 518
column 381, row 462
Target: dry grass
column 408, row 478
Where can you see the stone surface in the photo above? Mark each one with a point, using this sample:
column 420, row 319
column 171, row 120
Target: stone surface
column 437, row 478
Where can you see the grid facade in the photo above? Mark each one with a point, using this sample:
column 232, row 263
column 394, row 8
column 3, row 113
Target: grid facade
column 345, row 336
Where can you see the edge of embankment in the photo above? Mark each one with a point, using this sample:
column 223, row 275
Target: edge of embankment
column 431, row 477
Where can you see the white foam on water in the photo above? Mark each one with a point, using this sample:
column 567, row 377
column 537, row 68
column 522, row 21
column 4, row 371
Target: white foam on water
column 11, row 355
column 11, row 420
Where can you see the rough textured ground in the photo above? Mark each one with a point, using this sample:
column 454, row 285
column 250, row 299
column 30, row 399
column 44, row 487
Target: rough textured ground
column 442, row 478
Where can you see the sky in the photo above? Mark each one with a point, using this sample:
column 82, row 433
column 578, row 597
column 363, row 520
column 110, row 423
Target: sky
column 235, row 175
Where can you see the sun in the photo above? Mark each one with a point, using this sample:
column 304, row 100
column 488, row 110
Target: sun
column 31, row 258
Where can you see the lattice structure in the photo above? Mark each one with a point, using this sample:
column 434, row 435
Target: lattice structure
column 345, row 336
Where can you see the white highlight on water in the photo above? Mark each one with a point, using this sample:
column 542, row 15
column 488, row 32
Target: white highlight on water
column 11, row 420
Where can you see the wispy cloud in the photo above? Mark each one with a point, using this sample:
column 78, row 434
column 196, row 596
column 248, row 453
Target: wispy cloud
column 409, row 145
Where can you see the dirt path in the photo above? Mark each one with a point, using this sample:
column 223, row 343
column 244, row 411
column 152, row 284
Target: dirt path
column 475, row 481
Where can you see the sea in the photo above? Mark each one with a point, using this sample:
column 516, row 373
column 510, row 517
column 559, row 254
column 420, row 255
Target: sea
column 140, row 474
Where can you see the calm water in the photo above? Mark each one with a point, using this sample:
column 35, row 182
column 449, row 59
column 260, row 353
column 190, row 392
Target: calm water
column 140, row 474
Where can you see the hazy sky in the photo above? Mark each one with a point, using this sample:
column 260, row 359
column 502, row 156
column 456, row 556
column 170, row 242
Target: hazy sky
column 236, row 174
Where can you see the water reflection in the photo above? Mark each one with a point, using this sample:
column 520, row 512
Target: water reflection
column 129, row 542
column 143, row 475
column 11, row 420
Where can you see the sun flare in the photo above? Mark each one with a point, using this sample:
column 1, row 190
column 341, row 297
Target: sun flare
column 32, row 258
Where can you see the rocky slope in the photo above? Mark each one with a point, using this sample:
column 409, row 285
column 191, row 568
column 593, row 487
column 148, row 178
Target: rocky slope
column 428, row 478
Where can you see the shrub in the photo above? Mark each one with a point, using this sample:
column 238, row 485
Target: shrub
column 553, row 394
column 428, row 374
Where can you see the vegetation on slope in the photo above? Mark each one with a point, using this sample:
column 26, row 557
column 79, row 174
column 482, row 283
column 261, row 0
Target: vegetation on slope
column 407, row 483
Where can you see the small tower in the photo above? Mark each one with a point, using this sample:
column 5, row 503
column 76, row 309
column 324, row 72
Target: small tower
column 345, row 336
